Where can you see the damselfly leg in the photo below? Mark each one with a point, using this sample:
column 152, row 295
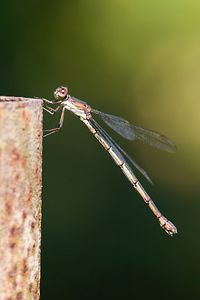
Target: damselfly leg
column 52, row 112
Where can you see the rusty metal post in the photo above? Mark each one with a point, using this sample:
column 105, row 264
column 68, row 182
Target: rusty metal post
column 20, row 197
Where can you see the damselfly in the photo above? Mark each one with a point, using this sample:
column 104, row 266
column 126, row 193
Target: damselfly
column 129, row 131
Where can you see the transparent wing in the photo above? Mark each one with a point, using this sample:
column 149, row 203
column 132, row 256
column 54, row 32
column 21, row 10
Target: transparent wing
column 131, row 132
column 118, row 149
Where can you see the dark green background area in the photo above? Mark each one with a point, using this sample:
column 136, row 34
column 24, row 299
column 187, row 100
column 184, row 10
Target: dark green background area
column 139, row 60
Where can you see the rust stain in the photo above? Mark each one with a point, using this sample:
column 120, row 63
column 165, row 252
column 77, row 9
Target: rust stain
column 8, row 208
column 34, row 247
column 39, row 131
column 17, row 177
column 36, row 292
column 19, row 296
column 26, row 116
column 13, row 230
column 30, row 194
column 38, row 217
column 14, row 284
column 28, row 251
column 11, row 274
column 15, row 156
column 33, row 226
column 25, row 267
column 30, row 287
column 24, row 215
column 38, row 176
column 11, row 277
column 8, row 203
column 12, row 245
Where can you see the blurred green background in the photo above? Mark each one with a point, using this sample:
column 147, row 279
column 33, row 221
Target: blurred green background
column 139, row 60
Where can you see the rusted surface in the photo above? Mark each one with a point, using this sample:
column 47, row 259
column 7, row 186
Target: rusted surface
column 20, row 197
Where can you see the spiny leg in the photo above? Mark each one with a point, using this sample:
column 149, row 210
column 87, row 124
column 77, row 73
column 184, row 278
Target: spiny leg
column 51, row 110
column 53, row 130
column 45, row 100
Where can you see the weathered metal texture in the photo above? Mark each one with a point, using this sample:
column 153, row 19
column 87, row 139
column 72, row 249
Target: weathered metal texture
column 20, row 197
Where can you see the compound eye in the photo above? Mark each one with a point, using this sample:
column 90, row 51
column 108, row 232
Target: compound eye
column 60, row 93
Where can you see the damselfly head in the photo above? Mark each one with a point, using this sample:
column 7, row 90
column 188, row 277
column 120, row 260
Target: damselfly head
column 60, row 93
